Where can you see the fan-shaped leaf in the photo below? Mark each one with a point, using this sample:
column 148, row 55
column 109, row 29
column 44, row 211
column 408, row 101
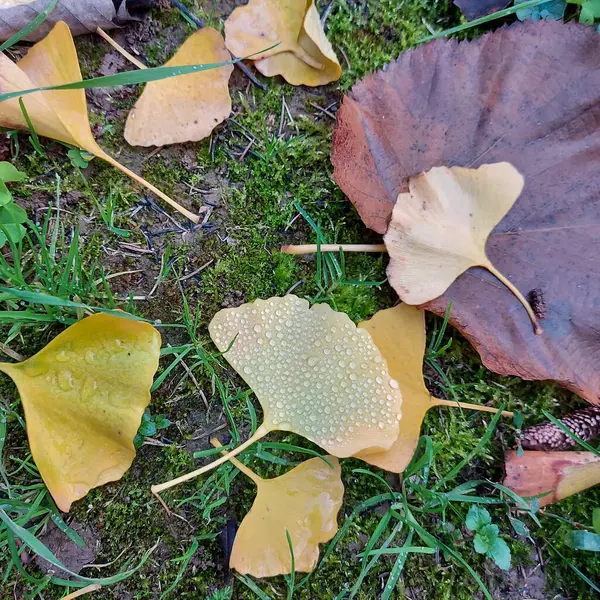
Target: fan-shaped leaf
column 83, row 396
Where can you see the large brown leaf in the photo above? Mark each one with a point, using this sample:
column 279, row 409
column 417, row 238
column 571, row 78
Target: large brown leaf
column 528, row 94
column 82, row 16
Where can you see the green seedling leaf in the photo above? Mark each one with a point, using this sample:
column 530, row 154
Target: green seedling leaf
column 500, row 554
column 519, row 527
column 547, row 11
column 484, row 539
column 9, row 173
column 590, row 11
column 477, row 518
column 583, row 540
column 79, row 158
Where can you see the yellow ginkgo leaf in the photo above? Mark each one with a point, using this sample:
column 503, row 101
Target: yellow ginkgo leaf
column 304, row 502
column 190, row 106
column 399, row 333
column 440, row 227
column 313, row 372
column 303, row 56
column 58, row 114
column 83, row 396
column 560, row 473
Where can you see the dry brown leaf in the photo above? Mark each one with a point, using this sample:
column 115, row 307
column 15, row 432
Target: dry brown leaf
column 440, row 227
column 313, row 372
column 83, row 396
column 304, row 502
column 528, row 94
column 82, row 16
column 399, row 333
column 561, row 473
column 190, row 106
column 304, row 55
column 57, row 114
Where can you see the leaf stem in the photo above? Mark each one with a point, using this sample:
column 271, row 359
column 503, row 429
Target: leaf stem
column 238, row 464
column 184, row 211
column 536, row 326
column 258, row 434
column 312, row 248
column 456, row 404
column 132, row 59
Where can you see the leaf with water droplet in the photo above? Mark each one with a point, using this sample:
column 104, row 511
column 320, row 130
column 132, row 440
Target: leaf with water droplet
column 399, row 333
column 346, row 411
column 82, row 415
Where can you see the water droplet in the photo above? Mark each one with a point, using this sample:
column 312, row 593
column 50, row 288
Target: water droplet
column 258, row 328
column 312, row 361
column 65, row 380
column 247, row 370
column 394, row 384
column 62, row 357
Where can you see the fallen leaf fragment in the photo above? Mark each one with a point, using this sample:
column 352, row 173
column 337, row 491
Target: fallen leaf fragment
column 528, row 94
column 313, row 372
column 304, row 502
column 399, row 333
column 83, row 396
column 560, row 473
column 303, row 56
column 473, row 9
column 82, row 16
column 440, row 227
column 58, row 114
column 190, row 106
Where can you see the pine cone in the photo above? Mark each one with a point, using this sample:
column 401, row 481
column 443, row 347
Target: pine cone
column 584, row 423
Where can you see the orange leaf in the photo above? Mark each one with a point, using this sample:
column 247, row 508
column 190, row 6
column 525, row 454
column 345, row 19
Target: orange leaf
column 190, row 106
column 83, row 396
column 399, row 333
column 304, row 55
column 57, row 114
column 304, row 502
column 560, row 473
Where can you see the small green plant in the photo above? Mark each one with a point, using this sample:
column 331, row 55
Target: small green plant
column 590, row 10
column 79, row 158
column 225, row 594
column 586, row 540
column 149, row 426
column 487, row 538
column 107, row 213
column 11, row 215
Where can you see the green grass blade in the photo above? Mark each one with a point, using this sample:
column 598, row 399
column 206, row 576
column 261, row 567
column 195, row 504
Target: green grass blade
column 35, row 140
column 17, row 37
column 572, row 435
column 128, row 78
column 497, row 15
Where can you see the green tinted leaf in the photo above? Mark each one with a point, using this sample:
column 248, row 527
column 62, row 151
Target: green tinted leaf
column 583, row 540
column 519, row 527
column 477, row 518
column 77, row 159
column 11, row 213
column 9, row 173
column 485, row 538
column 500, row 554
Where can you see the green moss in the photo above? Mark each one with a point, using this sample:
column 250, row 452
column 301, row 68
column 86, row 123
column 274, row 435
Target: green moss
column 256, row 215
